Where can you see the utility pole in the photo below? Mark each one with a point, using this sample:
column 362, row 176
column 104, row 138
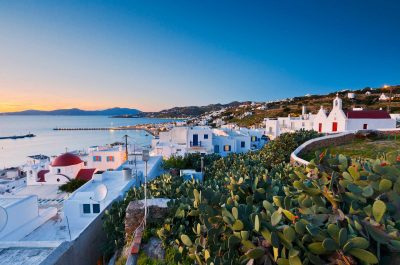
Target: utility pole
column 126, row 147
column 145, row 158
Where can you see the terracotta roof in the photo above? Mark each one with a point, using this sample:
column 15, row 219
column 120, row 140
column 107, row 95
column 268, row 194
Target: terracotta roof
column 41, row 175
column 66, row 160
column 367, row 114
column 85, row 174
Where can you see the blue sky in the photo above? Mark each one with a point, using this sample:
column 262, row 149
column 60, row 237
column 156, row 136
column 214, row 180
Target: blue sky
column 158, row 54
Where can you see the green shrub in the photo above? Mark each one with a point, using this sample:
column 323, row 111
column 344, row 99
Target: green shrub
column 72, row 185
column 216, row 190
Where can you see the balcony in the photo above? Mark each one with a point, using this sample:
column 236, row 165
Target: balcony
column 199, row 144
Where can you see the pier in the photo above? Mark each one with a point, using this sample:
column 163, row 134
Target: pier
column 137, row 128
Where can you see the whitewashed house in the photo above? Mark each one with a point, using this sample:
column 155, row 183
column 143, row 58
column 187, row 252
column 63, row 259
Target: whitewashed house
column 383, row 97
column 227, row 141
column 276, row 126
column 182, row 140
column 337, row 120
column 105, row 158
column 351, row 95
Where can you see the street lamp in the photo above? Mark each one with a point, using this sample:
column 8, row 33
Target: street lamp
column 145, row 158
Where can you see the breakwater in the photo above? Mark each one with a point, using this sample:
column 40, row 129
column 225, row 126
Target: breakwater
column 149, row 131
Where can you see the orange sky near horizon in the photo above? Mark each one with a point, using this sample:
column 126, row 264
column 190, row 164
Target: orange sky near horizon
column 21, row 102
column 15, row 106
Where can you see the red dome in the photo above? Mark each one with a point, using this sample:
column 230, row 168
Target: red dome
column 66, row 160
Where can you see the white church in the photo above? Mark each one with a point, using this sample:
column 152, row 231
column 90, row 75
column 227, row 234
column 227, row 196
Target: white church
column 336, row 121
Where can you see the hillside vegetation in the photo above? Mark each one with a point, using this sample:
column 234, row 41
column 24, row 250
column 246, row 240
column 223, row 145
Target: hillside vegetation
column 253, row 113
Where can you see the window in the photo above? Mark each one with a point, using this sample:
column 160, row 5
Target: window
column 206, row 136
column 227, row 148
column 110, row 158
column 97, row 158
column 86, row 208
column 216, row 149
column 96, row 208
column 58, row 170
column 243, row 144
column 365, row 126
column 254, row 138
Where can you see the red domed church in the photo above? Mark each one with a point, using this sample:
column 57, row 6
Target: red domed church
column 59, row 171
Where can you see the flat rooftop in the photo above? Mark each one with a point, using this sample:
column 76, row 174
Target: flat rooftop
column 44, row 192
column 11, row 200
column 23, row 256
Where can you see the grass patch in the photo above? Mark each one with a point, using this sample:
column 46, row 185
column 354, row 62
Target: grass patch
column 360, row 148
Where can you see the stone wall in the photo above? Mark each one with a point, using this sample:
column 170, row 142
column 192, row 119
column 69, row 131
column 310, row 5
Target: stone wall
column 330, row 140
column 324, row 143
column 135, row 213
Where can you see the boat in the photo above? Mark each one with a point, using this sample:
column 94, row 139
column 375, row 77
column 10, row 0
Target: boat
column 29, row 135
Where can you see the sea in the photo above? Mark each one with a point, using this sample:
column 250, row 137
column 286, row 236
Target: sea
column 50, row 142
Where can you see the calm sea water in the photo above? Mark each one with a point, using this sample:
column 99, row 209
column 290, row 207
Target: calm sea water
column 50, row 142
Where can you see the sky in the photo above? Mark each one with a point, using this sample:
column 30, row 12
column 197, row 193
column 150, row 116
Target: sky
column 153, row 55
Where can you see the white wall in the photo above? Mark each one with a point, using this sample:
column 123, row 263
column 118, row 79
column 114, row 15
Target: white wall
column 20, row 213
column 103, row 165
column 357, row 124
column 69, row 171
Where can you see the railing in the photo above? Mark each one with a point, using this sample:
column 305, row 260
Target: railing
column 199, row 144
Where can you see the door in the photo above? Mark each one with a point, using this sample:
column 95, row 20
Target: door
column 334, row 126
column 195, row 139
column 320, row 127
column 365, row 126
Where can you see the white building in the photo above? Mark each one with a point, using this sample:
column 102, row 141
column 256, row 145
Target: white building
column 227, row 141
column 20, row 215
column 351, row 95
column 201, row 139
column 70, row 166
column 182, row 140
column 105, row 158
column 276, row 126
column 383, row 97
column 337, row 121
column 96, row 195
column 61, row 170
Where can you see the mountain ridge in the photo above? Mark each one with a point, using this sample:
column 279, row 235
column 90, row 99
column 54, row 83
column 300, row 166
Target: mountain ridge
column 76, row 112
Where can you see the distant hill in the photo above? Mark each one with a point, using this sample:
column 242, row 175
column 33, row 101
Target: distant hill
column 78, row 112
column 191, row 111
